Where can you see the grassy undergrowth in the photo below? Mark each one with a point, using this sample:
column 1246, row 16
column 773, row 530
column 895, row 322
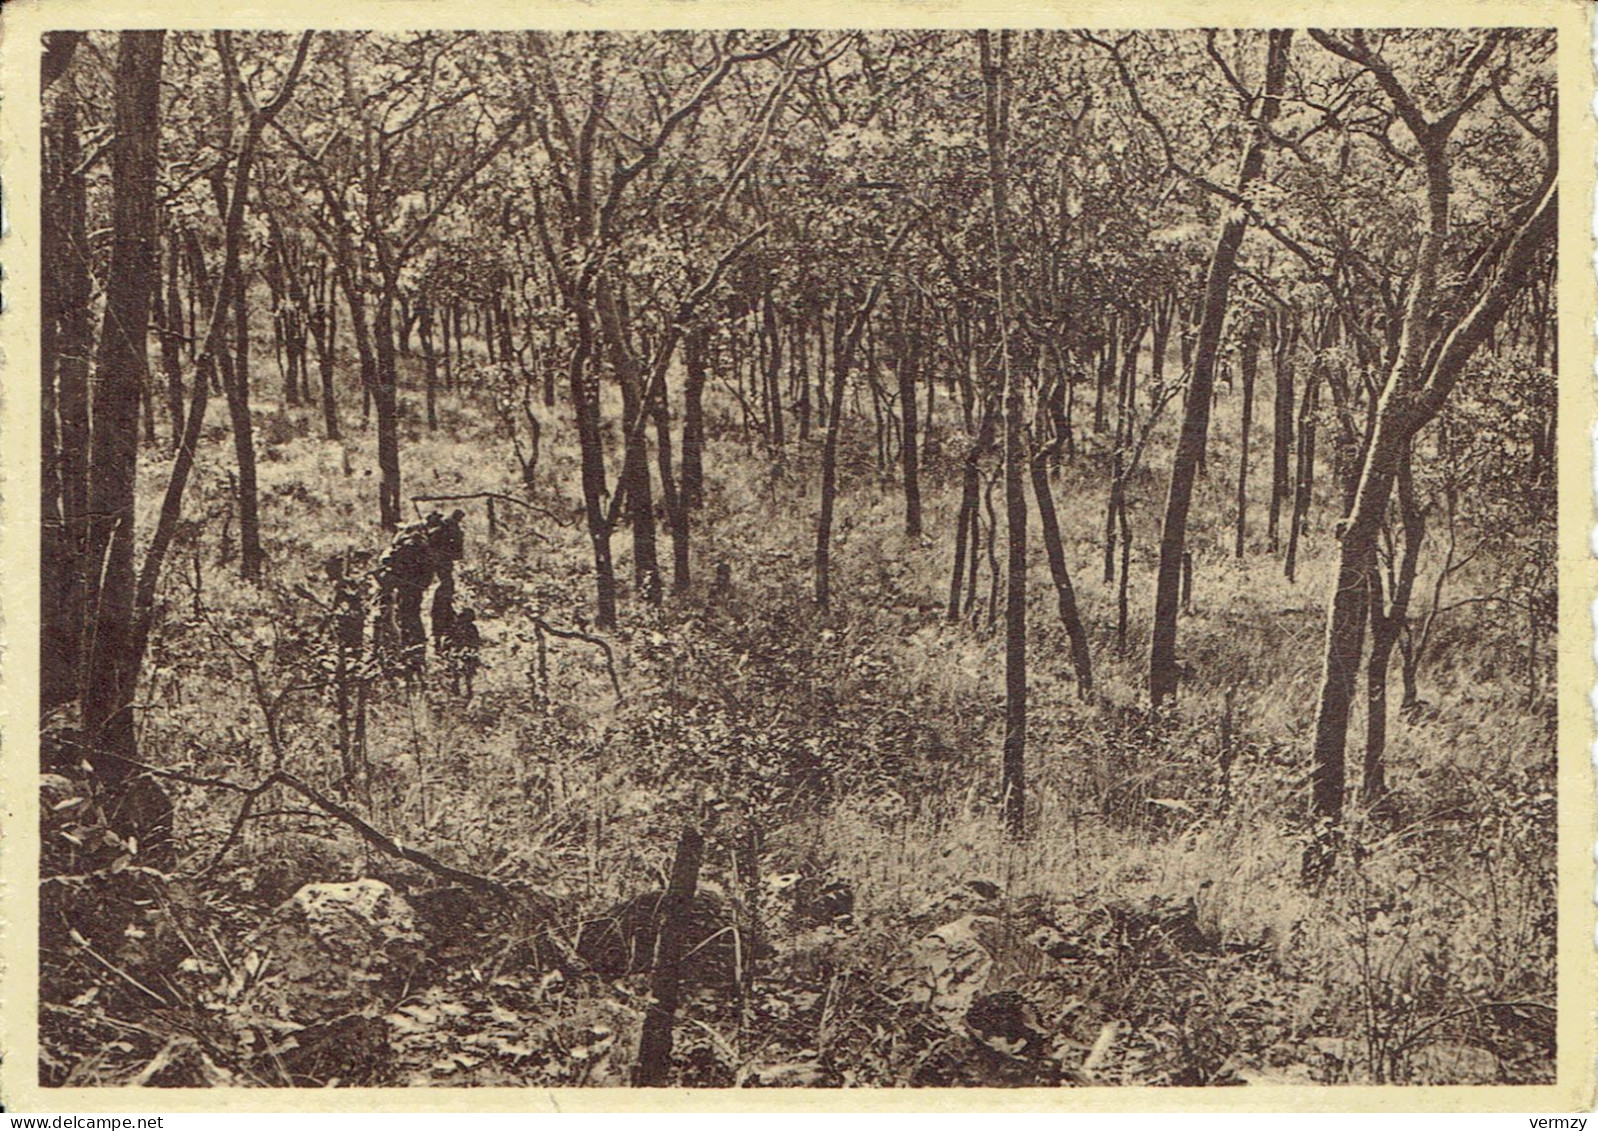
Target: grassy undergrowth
column 857, row 747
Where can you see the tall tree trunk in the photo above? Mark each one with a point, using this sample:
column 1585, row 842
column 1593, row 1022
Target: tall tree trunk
column 171, row 322
column 841, row 361
column 69, row 337
column 677, row 517
column 111, row 669
column 1249, row 366
column 1196, row 415
column 970, row 495
column 1304, row 477
column 1283, row 342
column 323, row 324
column 238, row 399
column 693, row 417
column 801, row 355
column 654, row 1047
column 385, row 398
column 772, row 331
column 429, row 361
column 908, row 364
column 585, row 406
column 996, row 86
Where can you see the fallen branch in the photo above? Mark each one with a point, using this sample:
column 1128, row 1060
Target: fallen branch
column 512, row 499
column 573, row 634
column 332, row 809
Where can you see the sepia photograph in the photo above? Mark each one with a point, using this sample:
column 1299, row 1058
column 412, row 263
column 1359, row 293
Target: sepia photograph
column 752, row 558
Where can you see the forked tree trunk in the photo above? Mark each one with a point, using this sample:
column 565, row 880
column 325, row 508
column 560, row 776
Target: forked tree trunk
column 1065, row 592
column 1389, row 614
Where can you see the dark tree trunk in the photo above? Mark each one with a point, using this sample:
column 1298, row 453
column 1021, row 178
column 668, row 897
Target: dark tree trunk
column 385, row 398
column 693, row 417
column 110, row 672
column 238, row 399
column 1249, row 366
column 429, row 361
column 64, row 562
column 171, row 322
column 677, row 517
column 970, row 496
column 801, row 357
column 842, row 350
column 654, row 1047
column 323, row 323
column 590, row 443
column 996, row 84
column 1304, row 477
column 1282, row 423
column 772, row 331
column 1388, row 619
column 908, row 364
column 1196, row 417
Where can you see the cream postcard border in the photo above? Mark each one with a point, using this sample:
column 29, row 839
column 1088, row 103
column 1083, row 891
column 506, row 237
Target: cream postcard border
column 22, row 22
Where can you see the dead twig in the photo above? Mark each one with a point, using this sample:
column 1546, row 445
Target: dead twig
column 573, row 634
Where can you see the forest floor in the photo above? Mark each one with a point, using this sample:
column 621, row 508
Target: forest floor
column 864, row 921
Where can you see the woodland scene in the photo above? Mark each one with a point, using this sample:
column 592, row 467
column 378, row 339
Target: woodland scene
column 818, row 558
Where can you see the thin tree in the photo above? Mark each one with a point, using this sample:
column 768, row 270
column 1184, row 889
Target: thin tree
column 996, row 126
column 1163, row 668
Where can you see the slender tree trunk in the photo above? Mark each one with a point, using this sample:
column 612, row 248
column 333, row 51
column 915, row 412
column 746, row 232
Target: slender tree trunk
column 677, row 516
column 1282, row 424
column 908, row 366
column 429, row 361
column 996, row 84
column 773, row 336
column 970, row 496
column 385, row 398
column 171, row 322
column 1196, row 417
column 1249, row 366
column 801, row 356
column 841, row 350
column 324, row 328
column 250, row 554
column 585, row 406
column 1304, row 479
column 693, row 417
